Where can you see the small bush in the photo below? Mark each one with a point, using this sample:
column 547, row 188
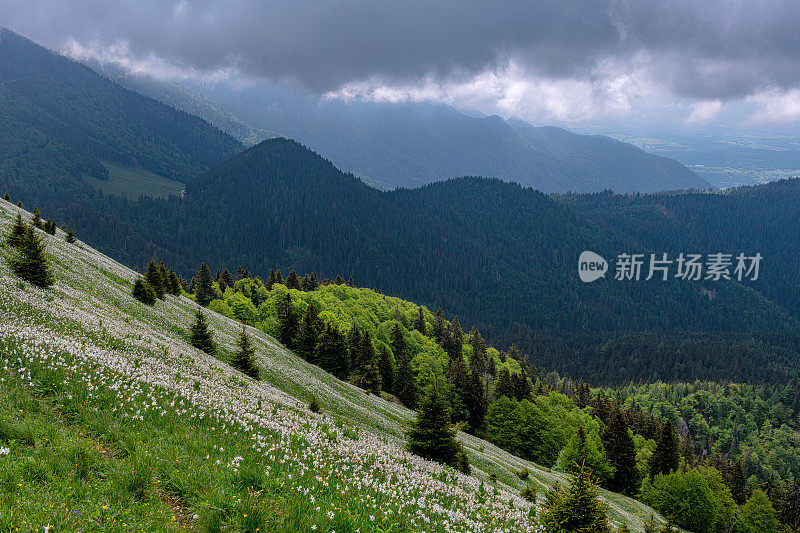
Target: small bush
column 313, row 405
column 529, row 493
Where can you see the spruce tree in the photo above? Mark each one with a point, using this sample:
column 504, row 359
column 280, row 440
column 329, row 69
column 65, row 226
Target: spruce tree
column 365, row 365
column 6, row 197
column 419, row 322
column 291, row 281
column 16, row 237
column 575, row 508
column 173, row 283
column 386, row 368
column 278, row 277
column 204, row 291
column 350, row 282
column 476, row 399
column 308, row 334
column 200, row 335
column 36, row 218
column 271, row 280
column 143, row 292
column 70, row 236
column 225, row 280
column 50, row 227
column 371, row 379
column 29, row 261
column 405, row 384
column 665, row 457
column 430, row 435
column 338, row 280
column 622, row 454
column 244, row 358
column 155, row 279
column 503, row 386
column 287, row 322
column 439, row 327
column 332, row 353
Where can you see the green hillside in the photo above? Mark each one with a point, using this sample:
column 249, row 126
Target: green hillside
column 116, row 422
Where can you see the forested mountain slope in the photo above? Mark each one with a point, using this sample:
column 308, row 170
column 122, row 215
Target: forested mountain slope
column 494, row 253
column 83, row 119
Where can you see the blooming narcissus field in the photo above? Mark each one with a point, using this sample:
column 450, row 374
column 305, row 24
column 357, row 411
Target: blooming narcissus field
column 111, row 421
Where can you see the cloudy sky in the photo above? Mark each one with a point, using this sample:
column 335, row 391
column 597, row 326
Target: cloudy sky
column 686, row 63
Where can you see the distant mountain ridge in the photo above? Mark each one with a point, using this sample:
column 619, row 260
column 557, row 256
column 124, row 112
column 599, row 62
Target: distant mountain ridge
column 413, row 144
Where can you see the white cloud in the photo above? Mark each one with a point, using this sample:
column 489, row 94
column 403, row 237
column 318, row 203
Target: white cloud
column 705, row 111
column 777, row 106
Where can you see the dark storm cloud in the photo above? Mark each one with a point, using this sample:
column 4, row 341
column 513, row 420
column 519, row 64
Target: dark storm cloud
column 699, row 48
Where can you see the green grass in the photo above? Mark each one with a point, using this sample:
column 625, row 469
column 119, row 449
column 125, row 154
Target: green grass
column 134, row 182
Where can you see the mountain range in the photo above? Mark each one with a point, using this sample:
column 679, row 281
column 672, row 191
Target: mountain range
column 497, row 254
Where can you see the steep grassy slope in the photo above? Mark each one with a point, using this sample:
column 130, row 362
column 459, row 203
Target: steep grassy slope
column 106, row 370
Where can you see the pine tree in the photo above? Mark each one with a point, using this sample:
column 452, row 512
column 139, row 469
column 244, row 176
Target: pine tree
column 287, row 322
column 174, row 283
column 17, row 235
column 665, row 456
column 278, row 277
column 575, row 508
column 439, row 327
column 70, row 237
column 371, row 380
column 226, row 280
column 36, row 218
column 244, row 358
column 291, row 281
column 476, row 399
column 405, row 384
column 332, row 353
column 622, row 454
column 200, row 335
column 419, row 322
column 143, row 292
column 271, row 280
column 308, row 335
column 6, row 197
column 338, row 280
column 503, row 386
column 154, row 279
column 50, row 227
column 350, row 282
column 29, row 261
column 204, row 289
column 386, row 368
column 430, row 435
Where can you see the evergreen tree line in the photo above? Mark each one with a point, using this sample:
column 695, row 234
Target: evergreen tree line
column 28, row 258
column 157, row 283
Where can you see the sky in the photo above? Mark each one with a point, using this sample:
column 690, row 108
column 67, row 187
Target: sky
column 639, row 65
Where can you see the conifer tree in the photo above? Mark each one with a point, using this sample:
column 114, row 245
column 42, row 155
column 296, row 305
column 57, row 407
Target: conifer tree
column 154, row 279
column 338, row 280
column 36, row 218
column 278, row 277
column 308, row 334
column 244, row 358
column 622, row 454
column 477, row 398
column 287, row 322
column 371, row 379
column 6, row 197
column 143, row 292
column 70, row 236
column 522, row 387
column 291, row 281
column 353, row 347
column 364, row 361
column 332, row 353
column 439, row 327
column 575, row 508
column 405, row 384
column 503, row 385
column 665, row 456
column 419, row 322
column 225, row 279
column 173, row 283
column 204, row 289
column 271, row 280
column 200, row 335
column 50, row 227
column 430, row 435
column 350, row 282
column 29, row 261
column 386, row 368
column 16, row 237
